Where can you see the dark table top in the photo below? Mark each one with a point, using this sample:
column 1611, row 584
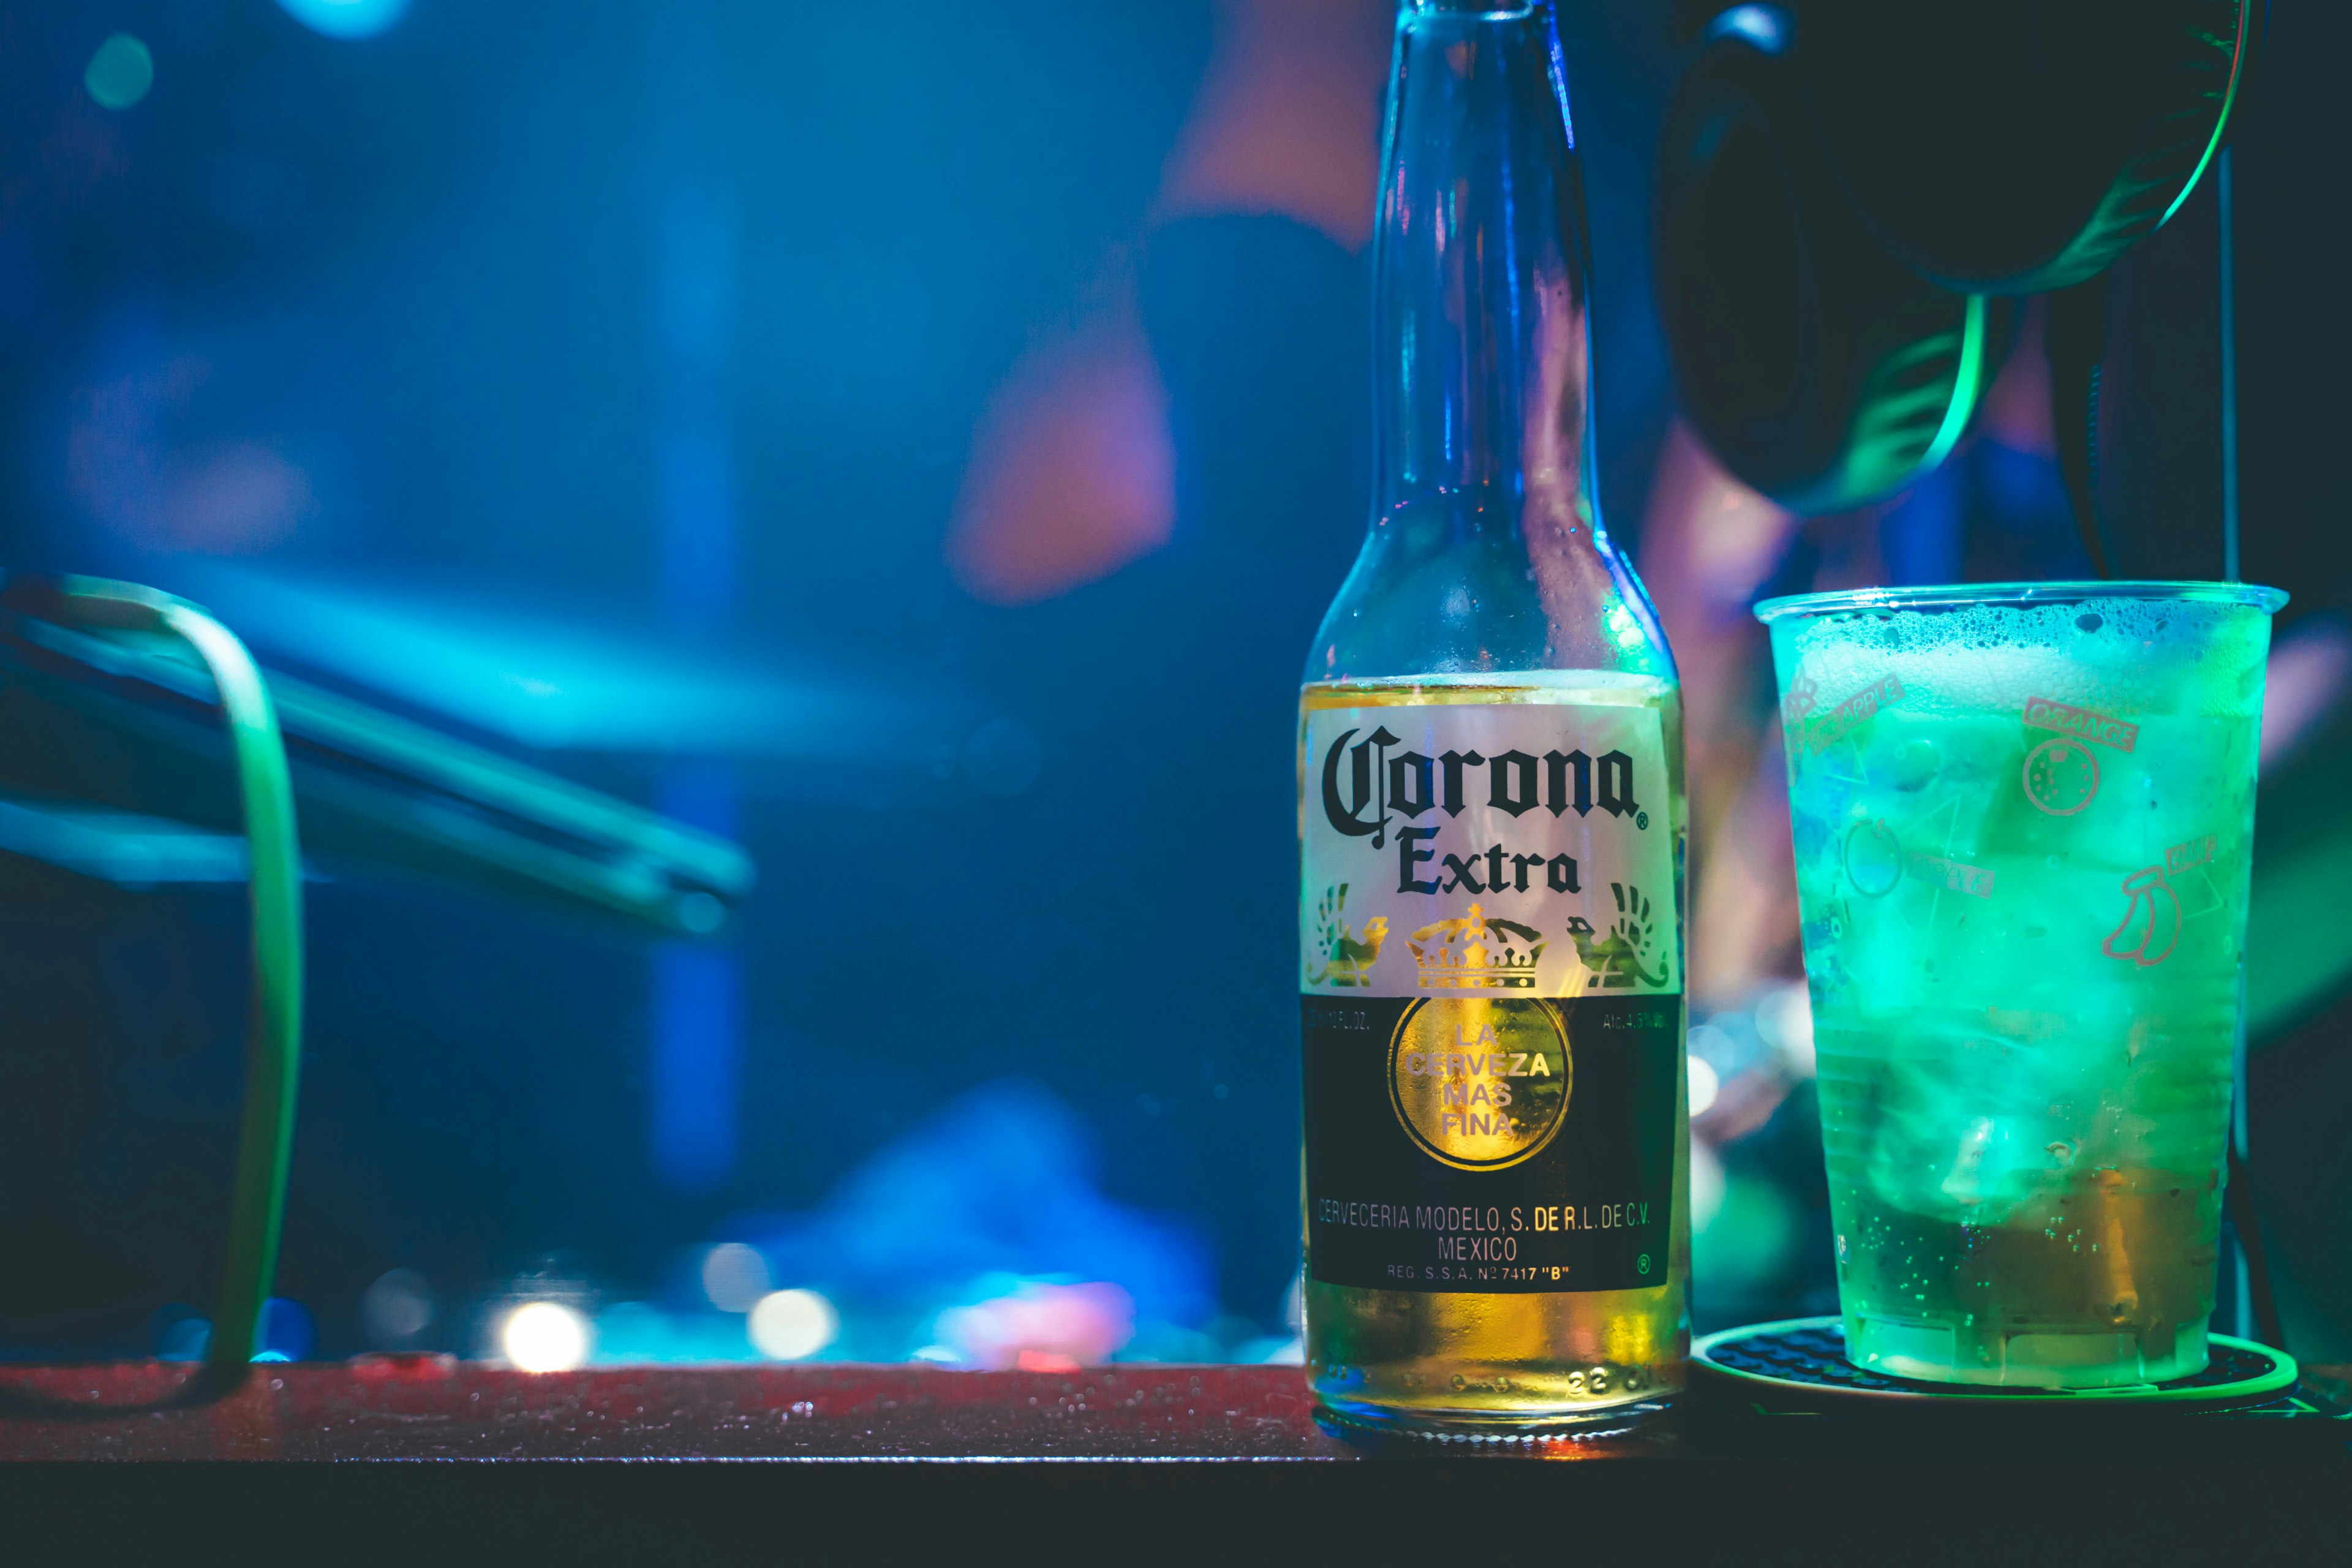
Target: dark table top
column 421, row 1407
column 437, row 1407
column 1252, row 1466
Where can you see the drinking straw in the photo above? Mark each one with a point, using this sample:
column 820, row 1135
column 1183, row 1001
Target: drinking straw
column 2222, row 190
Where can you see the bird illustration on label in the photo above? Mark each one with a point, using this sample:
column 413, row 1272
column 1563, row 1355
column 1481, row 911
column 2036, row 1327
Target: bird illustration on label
column 1347, row 959
column 1616, row 960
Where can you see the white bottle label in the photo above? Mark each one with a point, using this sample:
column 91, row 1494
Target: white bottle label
column 1519, row 849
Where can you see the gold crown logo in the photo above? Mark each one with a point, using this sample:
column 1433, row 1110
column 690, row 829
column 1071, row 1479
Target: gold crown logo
column 1476, row 953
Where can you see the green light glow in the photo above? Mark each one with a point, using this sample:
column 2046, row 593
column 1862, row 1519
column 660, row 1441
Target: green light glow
column 1965, row 384
column 2220, row 123
column 1623, row 631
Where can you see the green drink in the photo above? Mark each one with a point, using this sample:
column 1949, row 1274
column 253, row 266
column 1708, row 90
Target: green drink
column 2023, row 817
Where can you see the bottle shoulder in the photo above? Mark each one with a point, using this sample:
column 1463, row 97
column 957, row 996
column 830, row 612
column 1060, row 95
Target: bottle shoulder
column 1592, row 688
column 1469, row 606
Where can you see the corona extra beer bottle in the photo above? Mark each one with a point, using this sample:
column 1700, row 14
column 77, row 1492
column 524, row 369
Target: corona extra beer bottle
column 1491, row 815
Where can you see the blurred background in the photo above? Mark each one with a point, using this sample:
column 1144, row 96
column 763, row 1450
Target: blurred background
column 893, row 459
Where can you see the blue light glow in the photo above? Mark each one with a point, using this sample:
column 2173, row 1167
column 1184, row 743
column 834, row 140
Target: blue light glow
column 285, row 1332
column 545, row 681
column 698, row 1016
column 346, row 18
column 697, row 1029
column 1765, row 27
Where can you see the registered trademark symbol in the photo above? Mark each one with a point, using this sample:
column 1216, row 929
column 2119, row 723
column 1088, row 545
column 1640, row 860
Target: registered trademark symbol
column 1643, row 1263
column 1641, row 819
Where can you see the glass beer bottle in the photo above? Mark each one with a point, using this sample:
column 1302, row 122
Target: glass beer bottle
column 1491, row 815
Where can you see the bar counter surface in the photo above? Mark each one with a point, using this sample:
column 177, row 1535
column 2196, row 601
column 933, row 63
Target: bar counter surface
column 437, row 1407
column 1714, row 1469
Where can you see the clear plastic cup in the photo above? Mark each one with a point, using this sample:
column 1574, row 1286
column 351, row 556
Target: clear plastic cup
column 2023, row 818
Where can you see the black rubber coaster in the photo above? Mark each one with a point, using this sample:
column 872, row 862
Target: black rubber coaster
column 1802, row 1362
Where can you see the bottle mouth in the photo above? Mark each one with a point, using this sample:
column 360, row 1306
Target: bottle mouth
column 1969, row 596
column 1472, row 10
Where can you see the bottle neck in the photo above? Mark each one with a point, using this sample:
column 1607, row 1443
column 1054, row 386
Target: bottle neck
column 1483, row 369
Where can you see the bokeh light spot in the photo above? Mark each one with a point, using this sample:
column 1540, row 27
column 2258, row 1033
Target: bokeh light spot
column 544, row 1336
column 121, row 72
column 787, row 1325
column 284, row 1330
column 1042, row 1327
column 396, row 1309
column 1784, row 1017
column 184, row 1339
column 1703, row 1085
column 734, row 1277
column 701, row 913
column 346, row 18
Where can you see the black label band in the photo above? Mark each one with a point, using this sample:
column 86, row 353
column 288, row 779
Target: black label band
column 1493, row 1145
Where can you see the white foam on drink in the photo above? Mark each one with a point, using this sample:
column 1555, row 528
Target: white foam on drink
column 2121, row 655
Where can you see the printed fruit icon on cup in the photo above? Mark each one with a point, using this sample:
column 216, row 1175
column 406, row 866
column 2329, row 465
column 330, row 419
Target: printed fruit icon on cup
column 2151, row 926
column 2061, row 777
